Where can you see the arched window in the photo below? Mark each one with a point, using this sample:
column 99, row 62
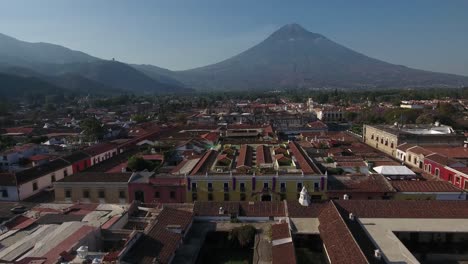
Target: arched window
column 437, row 172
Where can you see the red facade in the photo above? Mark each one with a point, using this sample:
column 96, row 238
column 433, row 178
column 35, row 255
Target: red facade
column 438, row 170
column 158, row 190
column 81, row 165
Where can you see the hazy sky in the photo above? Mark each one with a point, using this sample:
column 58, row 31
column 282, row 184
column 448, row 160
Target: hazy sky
column 176, row 34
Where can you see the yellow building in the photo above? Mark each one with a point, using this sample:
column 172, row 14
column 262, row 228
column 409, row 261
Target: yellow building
column 253, row 172
column 93, row 187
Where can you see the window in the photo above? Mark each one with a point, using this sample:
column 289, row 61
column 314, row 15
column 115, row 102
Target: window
column 372, row 136
column 457, row 180
column 210, row 187
column 194, row 186
column 242, row 187
column 122, row 194
column 65, row 173
column 226, row 187
column 68, row 193
column 101, row 194
column 265, row 186
column 172, row 195
column 86, row 194
column 226, row 197
column 210, row 197
column 4, row 193
column 243, row 197
column 52, row 178
column 194, row 197
column 35, row 186
column 391, row 145
column 437, row 172
column 283, row 187
column 316, row 187
column 156, row 195
column 299, row 186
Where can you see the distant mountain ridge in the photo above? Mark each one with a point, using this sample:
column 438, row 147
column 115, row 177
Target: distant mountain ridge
column 76, row 70
column 290, row 57
column 295, row 57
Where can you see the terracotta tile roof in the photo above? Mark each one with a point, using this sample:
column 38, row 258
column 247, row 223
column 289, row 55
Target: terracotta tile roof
column 19, row 130
column 284, row 254
column 263, row 155
column 76, row 156
column 262, row 209
column 295, row 209
column 99, row 148
column 212, row 208
column 38, row 157
column 450, row 151
column 159, row 242
column 204, row 163
column 41, row 170
column 405, row 146
column 337, row 237
column 245, row 156
column 424, row 186
column 211, row 136
column 153, row 157
column 279, row 231
column 374, row 183
column 405, row 209
column 419, row 151
column 19, row 222
column 441, row 159
column 306, row 165
column 97, row 177
column 248, row 209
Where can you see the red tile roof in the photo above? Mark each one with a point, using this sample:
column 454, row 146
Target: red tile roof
column 424, row 186
column 373, row 183
column 19, row 130
column 419, row 151
column 441, row 159
column 263, row 155
column 19, row 222
column 245, row 156
column 159, row 242
column 279, row 231
column 203, row 164
column 337, row 238
column 405, row 209
column 99, row 148
column 306, row 165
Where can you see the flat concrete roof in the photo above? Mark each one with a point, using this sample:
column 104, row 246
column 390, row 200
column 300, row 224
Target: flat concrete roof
column 306, row 225
column 381, row 231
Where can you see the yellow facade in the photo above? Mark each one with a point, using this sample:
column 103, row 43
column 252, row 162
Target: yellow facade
column 218, row 192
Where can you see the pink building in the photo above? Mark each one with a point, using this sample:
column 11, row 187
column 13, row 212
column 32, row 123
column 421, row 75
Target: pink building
column 148, row 187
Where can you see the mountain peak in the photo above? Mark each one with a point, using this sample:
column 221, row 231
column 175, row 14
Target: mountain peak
column 293, row 31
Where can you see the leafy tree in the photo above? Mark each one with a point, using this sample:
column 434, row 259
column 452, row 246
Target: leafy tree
column 244, row 235
column 139, row 118
column 93, row 129
column 136, row 163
